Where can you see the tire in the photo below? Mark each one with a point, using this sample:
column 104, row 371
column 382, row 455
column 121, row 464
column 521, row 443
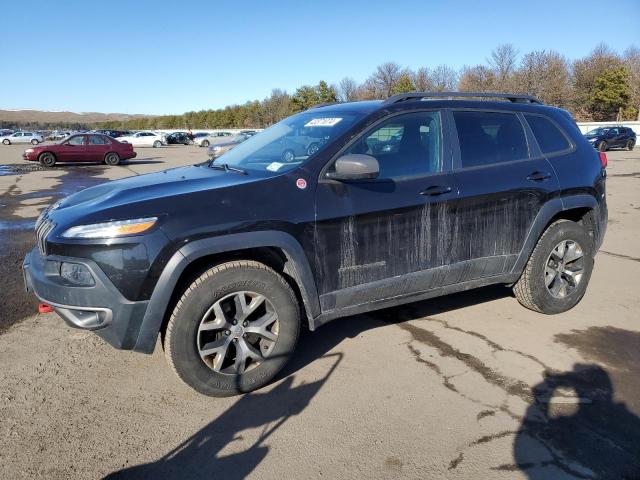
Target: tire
column 34, row 142
column 205, row 143
column 47, row 159
column 288, row 156
column 112, row 159
column 157, row 144
column 6, row 141
column 218, row 375
column 602, row 146
column 313, row 148
column 535, row 288
column 630, row 144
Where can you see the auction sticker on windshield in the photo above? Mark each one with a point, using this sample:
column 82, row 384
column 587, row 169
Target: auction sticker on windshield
column 322, row 122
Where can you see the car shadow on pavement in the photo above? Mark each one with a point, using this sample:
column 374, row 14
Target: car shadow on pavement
column 200, row 456
column 574, row 426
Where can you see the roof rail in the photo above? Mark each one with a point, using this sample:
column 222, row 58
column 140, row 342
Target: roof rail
column 326, row 104
column 512, row 97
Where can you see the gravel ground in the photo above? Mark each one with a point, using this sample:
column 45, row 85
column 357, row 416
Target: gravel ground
column 466, row 386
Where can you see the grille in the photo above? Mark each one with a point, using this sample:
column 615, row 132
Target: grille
column 44, row 226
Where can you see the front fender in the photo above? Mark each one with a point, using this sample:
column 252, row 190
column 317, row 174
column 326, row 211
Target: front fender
column 297, row 266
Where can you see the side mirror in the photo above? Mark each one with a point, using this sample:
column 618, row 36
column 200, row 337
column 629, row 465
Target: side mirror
column 355, row 166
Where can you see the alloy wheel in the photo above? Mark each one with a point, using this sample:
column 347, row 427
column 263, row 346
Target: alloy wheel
column 564, row 268
column 237, row 333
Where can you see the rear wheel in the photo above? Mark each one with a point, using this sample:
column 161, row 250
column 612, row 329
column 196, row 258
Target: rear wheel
column 34, row 142
column 557, row 274
column 288, row 156
column 112, row 159
column 233, row 329
column 630, row 144
column 602, row 146
column 6, row 141
column 157, row 144
column 47, row 159
column 205, row 143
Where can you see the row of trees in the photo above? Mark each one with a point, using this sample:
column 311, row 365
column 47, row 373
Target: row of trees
column 603, row 86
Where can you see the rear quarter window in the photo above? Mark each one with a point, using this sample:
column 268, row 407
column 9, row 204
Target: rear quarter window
column 549, row 137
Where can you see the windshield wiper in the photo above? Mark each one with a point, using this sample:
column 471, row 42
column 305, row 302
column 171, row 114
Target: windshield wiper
column 228, row 168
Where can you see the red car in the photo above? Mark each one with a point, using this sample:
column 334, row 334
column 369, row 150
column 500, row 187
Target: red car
column 86, row 147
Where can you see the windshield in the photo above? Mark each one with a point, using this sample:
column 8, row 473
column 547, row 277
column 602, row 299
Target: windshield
column 598, row 131
column 289, row 143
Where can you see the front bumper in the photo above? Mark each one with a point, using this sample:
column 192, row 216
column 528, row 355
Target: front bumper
column 100, row 308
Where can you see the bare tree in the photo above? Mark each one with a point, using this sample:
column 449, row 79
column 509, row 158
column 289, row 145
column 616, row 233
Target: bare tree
column 503, row 63
column 477, row 79
column 546, row 76
column 422, row 80
column 386, row 76
column 631, row 59
column 347, row 89
column 444, row 78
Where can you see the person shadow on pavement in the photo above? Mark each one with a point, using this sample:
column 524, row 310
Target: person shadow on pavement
column 201, row 457
column 575, row 429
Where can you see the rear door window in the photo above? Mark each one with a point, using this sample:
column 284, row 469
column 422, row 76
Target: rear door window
column 549, row 137
column 490, row 137
column 97, row 140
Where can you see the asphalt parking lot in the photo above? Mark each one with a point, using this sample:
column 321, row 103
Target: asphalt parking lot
column 466, row 386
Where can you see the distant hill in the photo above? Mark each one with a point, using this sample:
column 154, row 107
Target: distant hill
column 39, row 116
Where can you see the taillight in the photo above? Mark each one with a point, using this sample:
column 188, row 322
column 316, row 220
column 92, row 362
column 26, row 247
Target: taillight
column 603, row 159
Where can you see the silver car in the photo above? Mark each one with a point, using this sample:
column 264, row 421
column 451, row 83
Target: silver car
column 212, row 139
column 22, row 137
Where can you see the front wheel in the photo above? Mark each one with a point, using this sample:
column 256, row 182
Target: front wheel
column 112, row 159
column 205, row 143
column 233, row 329
column 34, row 142
column 602, row 146
column 157, row 144
column 6, row 141
column 630, row 144
column 556, row 276
column 288, row 156
column 47, row 159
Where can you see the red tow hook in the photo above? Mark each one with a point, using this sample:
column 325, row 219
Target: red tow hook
column 44, row 308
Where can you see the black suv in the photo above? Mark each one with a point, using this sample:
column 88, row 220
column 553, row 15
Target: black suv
column 604, row 138
column 413, row 197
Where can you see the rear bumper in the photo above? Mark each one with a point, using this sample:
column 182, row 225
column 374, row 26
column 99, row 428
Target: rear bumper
column 100, row 308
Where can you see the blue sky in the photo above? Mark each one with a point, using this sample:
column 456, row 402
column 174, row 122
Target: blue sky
column 161, row 56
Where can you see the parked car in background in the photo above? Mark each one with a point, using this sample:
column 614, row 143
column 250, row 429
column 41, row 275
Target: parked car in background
column 179, row 138
column 212, row 139
column 249, row 132
column 4, row 132
column 91, row 147
column 215, row 151
column 22, row 137
column 113, row 133
column 604, row 138
column 143, row 139
column 58, row 135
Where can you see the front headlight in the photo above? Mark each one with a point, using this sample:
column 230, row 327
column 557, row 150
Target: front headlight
column 29, row 150
column 591, row 139
column 215, row 149
column 117, row 228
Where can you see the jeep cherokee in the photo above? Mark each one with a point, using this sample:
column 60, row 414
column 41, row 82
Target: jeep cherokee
column 409, row 198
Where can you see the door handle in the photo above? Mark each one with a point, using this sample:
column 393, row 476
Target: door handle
column 436, row 190
column 539, row 176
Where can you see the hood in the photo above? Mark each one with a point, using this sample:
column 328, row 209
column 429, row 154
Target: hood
column 134, row 191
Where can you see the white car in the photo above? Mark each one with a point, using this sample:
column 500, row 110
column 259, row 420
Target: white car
column 22, row 137
column 143, row 139
column 212, row 139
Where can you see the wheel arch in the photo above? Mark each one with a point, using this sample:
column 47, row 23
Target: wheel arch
column 581, row 209
column 278, row 250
